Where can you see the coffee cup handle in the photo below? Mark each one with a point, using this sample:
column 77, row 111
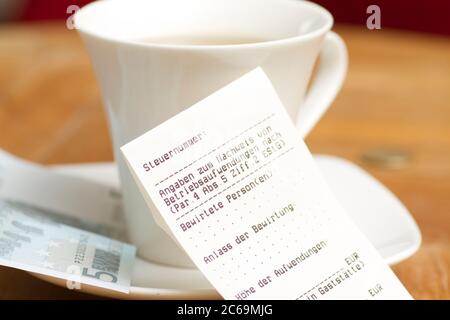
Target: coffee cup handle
column 330, row 76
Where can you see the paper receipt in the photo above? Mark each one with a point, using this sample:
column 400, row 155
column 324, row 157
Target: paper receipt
column 232, row 182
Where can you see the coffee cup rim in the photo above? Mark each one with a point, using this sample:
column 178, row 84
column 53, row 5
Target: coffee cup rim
column 86, row 30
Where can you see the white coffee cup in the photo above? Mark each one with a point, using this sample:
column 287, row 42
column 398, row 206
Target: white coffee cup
column 144, row 84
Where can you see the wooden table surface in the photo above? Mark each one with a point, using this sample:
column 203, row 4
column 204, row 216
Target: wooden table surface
column 396, row 97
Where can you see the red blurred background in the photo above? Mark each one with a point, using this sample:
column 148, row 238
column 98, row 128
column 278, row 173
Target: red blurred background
column 420, row 15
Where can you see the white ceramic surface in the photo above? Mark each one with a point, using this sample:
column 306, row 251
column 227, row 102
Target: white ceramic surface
column 377, row 212
column 146, row 83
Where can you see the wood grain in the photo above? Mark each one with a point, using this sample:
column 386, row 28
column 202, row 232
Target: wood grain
column 396, row 96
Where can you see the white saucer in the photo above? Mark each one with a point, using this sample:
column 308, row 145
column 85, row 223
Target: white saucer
column 377, row 212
